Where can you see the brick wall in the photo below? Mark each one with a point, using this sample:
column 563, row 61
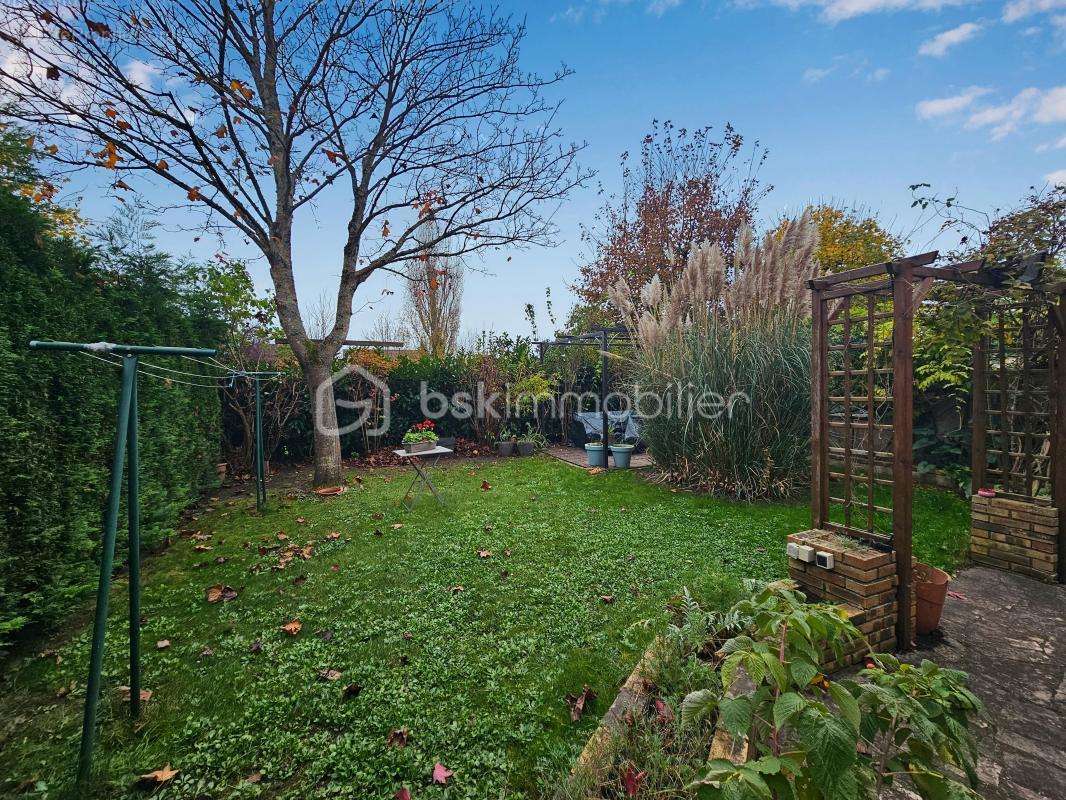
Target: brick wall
column 862, row 579
column 1014, row 535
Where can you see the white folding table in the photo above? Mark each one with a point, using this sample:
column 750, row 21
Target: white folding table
column 421, row 479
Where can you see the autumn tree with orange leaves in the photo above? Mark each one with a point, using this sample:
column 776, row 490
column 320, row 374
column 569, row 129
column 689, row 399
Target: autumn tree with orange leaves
column 253, row 112
column 689, row 187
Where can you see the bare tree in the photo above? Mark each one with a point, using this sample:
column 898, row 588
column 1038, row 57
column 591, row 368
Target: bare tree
column 387, row 327
column 435, row 298
column 251, row 111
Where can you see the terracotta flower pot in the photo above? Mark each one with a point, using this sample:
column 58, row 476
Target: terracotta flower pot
column 930, row 589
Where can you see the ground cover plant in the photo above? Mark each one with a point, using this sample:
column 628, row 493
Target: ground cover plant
column 781, row 728
column 344, row 647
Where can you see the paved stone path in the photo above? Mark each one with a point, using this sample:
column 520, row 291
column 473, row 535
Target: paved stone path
column 1009, row 633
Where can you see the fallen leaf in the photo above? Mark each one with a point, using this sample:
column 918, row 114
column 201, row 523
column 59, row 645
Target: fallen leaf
column 158, row 777
column 220, row 593
column 162, row 644
column 608, row 599
column 300, row 521
column 255, row 777
column 397, row 526
column 441, row 774
column 207, row 652
column 578, row 702
column 456, row 589
column 146, row 694
column 595, row 471
column 333, row 535
column 484, row 554
column 485, row 486
column 202, row 548
column 631, row 780
column 292, row 628
column 398, row 737
column 352, row 690
column 403, row 793
column 663, row 712
column 256, row 647
column 377, row 515
column 282, row 536
column 329, row 674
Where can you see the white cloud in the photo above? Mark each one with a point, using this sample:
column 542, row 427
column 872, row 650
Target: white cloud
column 816, row 74
column 660, row 7
column 1056, row 145
column 1005, row 118
column 1052, row 106
column 596, row 10
column 880, row 74
column 953, row 104
column 839, row 10
column 141, row 74
column 939, row 45
column 1057, row 178
column 1020, row 9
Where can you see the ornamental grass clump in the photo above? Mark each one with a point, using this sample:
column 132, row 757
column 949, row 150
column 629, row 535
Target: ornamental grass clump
column 722, row 363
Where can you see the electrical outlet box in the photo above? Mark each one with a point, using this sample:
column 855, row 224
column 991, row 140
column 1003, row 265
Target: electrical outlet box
column 824, row 560
column 801, row 552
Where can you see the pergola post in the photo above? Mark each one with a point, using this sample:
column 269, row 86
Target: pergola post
column 903, row 444
column 979, row 424
column 1058, row 425
column 819, row 412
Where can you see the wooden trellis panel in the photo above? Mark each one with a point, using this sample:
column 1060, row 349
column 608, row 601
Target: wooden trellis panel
column 1014, row 385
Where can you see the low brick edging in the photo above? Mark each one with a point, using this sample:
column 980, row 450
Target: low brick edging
column 863, row 580
column 1015, row 536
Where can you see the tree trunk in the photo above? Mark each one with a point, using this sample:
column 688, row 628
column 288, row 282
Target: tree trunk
column 329, row 471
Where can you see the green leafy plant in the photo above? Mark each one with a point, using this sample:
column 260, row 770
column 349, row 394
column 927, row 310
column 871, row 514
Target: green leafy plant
column 421, row 432
column 809, row 737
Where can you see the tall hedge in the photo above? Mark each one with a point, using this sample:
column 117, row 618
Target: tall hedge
column 57, row 411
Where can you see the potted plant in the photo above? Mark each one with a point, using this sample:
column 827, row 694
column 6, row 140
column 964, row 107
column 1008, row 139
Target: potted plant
column 420, row 438
column 506, row 445
column 530, row 442
column 621, row 452
column 596, row 453
column 930, row 590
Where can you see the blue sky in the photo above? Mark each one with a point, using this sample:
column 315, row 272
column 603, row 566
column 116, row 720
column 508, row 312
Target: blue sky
column 855, row 99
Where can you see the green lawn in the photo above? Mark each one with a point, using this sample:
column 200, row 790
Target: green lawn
column 477, row 675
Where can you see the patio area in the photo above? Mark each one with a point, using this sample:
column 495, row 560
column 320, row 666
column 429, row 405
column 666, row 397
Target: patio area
column 576, row 456
column 1005, row 631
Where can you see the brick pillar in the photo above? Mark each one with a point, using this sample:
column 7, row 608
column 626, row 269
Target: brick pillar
column 1014, row 535
column 862, row 579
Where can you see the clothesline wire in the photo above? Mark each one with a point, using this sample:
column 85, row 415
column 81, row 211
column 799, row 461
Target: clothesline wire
column 115, row 363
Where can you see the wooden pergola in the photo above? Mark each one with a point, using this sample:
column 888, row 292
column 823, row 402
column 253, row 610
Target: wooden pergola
column 862, row 393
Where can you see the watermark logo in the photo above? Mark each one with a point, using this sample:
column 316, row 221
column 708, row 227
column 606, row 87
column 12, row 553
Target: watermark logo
column 378, row 400
column 677, row 401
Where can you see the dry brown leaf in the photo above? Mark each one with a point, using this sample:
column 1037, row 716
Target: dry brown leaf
column 158, row 777
column 292, row 628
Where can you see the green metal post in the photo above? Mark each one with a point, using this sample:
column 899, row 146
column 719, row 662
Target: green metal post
column 260, row 478
column 133, row 506
column 96, row 659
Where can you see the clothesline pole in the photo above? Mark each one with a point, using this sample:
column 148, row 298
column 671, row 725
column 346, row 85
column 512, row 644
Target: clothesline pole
column 126, row 453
